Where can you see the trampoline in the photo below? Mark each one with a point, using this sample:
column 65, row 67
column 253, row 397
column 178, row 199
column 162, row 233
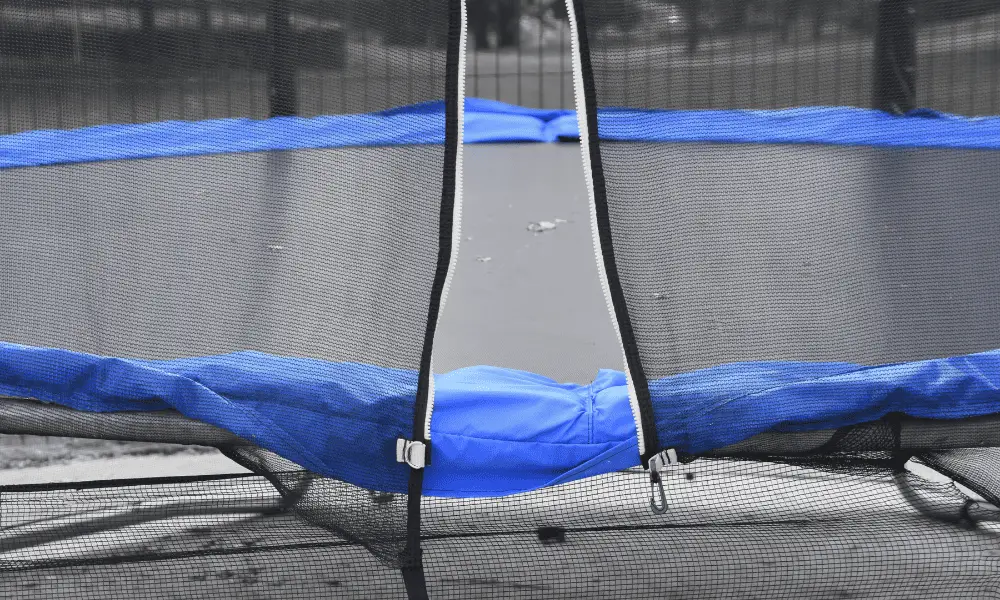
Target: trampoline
column 797, row 386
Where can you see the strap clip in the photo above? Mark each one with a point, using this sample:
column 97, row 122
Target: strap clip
column 667, row 458
column 411, row 453
column 657, row 463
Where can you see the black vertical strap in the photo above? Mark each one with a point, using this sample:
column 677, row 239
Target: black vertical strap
column 281, row 91
column 411, row 562
column 147, row 20
column 899, row 457
column 895, row 57
column 632, row 358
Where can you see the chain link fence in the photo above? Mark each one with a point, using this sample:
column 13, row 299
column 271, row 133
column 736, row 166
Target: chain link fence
column 72, row 63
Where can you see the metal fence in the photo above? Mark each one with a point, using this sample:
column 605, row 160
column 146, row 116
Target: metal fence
column 70, row 63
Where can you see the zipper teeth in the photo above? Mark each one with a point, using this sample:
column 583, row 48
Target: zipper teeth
column 581, row 118
column 456, row 226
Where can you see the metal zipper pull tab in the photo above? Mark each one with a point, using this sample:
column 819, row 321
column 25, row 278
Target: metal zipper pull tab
column 656, row 464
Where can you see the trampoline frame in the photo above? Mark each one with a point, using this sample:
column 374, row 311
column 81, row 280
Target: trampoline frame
column 22, row 416
column 31, row 417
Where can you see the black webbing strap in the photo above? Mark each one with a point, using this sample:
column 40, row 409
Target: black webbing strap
column 633, row 360
column 411, row 559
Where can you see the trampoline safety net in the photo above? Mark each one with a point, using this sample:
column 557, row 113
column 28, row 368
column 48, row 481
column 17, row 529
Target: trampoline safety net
column 232, row 227
column 329, row 256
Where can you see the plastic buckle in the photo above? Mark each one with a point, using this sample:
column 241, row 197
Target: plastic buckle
column 411, row 453
column 667, row 458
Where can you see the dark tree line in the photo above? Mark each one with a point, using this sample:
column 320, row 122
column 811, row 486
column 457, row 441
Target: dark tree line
column 702, row 17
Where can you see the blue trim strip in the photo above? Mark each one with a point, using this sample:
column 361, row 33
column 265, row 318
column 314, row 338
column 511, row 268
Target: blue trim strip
column 192, row 138
column 840, row 126
column 488, row 121
column 485, row 121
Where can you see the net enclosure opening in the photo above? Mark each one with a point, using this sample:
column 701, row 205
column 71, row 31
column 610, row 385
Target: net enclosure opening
column 228, row 231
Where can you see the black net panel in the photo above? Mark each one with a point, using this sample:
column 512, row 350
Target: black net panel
column 212, row 59
column 731, row 252
column 190, row 538
column 975, row 468
column 735, row 529
column 320, row 253
column 330, row 253
column 790, row 252
column 720, row 253
column 724, row 253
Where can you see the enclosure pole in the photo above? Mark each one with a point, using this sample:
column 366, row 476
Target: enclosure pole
column 146, row 17
column 147, row 33
column 281, row 68
column 894, row 89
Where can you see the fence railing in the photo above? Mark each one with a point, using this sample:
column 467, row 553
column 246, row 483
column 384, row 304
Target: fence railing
column 70, row 63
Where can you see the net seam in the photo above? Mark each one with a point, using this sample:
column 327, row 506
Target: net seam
column 579, row 92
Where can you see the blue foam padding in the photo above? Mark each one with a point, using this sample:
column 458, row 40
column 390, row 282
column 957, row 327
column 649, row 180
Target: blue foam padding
column 494, row 431
column 715, row 407
column 839, row 126
column 487, row 121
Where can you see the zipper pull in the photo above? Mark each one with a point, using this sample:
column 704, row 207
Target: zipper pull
column 657, row 463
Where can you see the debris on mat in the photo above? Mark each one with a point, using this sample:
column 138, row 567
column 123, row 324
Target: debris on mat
column 542, row 226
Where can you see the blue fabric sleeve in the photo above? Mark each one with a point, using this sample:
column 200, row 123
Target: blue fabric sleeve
column 494, row 122
column 494, row 431
column 842, row 126
column 713, row 408
column 485, row 121
column 321, row 415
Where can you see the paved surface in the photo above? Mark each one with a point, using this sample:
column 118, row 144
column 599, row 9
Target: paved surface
column 215, row 260
column 520, row 299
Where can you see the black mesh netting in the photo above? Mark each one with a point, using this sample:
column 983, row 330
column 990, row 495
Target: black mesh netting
column 193, row 538
column 731, row 252
column 719, row 253
column 329, row 253
column 735, row 529
column 783, row 252
column 724, row 253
